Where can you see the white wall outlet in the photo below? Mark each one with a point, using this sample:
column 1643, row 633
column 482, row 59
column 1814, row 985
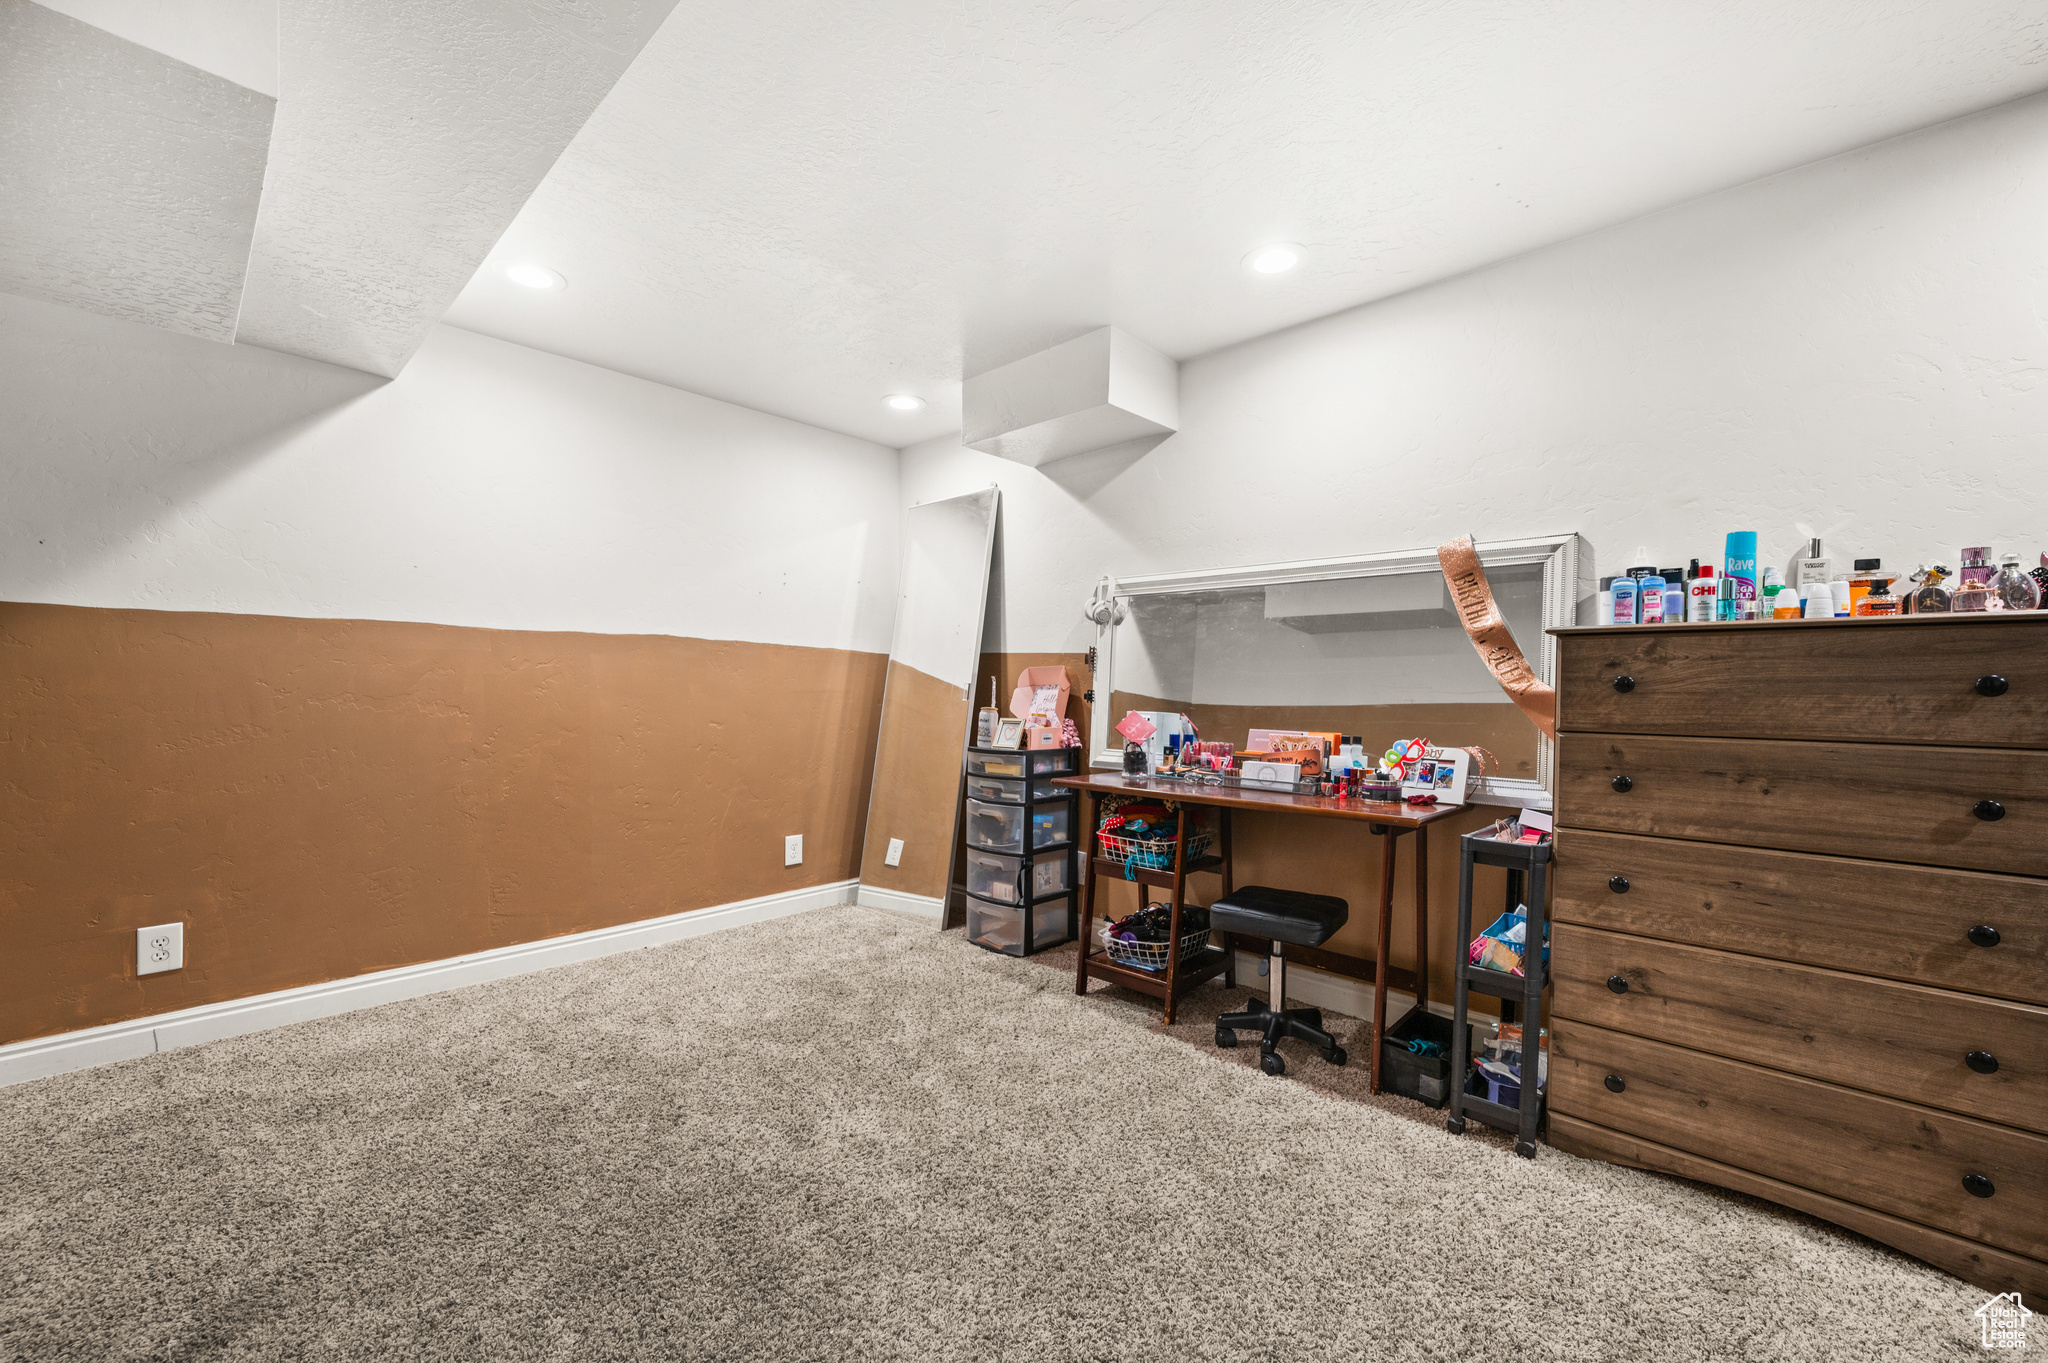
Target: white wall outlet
column 793, row 850
column 159, row 948
column 895, row 856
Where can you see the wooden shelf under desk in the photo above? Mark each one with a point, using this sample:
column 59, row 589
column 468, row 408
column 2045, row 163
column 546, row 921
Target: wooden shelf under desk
column 1206, row 964
column 1158, row 879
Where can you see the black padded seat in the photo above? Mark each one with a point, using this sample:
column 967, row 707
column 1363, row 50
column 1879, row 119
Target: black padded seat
column 1307, row 920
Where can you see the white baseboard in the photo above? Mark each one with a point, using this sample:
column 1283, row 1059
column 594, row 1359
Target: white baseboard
column 1338, row 993
column 924, row 906
column 49, row 1055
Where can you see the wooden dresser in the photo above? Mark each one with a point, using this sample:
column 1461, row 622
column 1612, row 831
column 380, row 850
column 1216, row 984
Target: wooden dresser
column 1800, row 922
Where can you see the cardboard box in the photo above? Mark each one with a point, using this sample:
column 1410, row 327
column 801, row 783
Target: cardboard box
column 1028, row 682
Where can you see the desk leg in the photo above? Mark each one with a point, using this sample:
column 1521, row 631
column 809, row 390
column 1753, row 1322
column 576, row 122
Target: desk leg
column 1422, row 918
column 1230, row 960
column 1379, row 967
column 1087, row 890
column 1180, row 894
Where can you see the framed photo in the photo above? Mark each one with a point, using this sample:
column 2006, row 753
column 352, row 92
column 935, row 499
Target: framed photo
column 1009, row 733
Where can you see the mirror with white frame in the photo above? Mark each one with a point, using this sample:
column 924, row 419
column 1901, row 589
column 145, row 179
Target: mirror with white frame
column 1368, row 645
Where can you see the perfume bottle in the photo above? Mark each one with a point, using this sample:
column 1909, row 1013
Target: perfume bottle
column 1930, row 597
column 1878, row 600
column 2012, row 589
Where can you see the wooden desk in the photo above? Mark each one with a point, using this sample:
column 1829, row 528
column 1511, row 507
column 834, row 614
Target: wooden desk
column 1388, row 820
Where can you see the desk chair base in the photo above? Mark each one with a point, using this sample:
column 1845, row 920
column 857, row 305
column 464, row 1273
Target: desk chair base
column 1303, row 1024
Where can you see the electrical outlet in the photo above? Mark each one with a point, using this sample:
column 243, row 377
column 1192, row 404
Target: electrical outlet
column 159, row 948
column 895, row 857
column 793, row 850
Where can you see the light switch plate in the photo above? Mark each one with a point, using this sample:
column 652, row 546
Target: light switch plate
column 793, row 850
column 895, row 856
column 159, row 948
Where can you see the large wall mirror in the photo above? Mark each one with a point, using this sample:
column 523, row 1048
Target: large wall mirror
column 927, row 702
column 1368, row 645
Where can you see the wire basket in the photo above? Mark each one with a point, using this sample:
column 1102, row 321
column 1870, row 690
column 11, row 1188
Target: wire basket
column 1137, row 854
column 1152, row 955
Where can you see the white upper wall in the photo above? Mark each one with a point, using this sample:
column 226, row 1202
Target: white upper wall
column 1857, row 349
column 488, row 485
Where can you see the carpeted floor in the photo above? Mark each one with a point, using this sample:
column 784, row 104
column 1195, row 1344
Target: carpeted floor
column 842, row 1135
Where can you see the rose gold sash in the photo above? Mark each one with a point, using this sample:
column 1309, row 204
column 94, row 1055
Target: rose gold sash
column 1491, row 636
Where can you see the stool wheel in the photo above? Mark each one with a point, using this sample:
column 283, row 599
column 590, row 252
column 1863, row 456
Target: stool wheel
column 1254, row 1005
column 1526, row 1149
column 1271, row 1063
column 1455, row 1125
column 1226, row 1038
column 1335, row 1055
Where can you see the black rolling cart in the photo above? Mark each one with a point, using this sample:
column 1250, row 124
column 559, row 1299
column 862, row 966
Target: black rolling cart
column 1521, row 996
column 1020, row 840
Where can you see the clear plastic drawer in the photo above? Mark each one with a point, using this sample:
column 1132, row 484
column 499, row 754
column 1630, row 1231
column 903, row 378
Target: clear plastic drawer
column 993, row 875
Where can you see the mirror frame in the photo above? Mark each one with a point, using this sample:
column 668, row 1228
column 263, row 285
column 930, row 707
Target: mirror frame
column 1567, row 562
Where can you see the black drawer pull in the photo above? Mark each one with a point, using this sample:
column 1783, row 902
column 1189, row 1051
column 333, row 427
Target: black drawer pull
column 1617, row 984
column 1628, row 684
column 1984, row 1062
column 1618, row 884
column 1983, row 935
column 1976, row 1185
column 1623, row 784
column 1991, row 685
column 1615, row 1084
column 1990, row 811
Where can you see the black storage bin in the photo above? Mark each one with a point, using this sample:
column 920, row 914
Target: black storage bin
column 1425, row 1078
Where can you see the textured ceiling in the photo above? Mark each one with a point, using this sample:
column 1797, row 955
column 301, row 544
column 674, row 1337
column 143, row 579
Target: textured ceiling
column 128, row 181
column 802, row 209
column 232, row 38
column 407, row 137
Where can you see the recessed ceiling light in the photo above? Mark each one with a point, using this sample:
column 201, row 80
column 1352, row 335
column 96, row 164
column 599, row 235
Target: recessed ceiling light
column 535, row 276
column 1278, row 258
column 904, row 402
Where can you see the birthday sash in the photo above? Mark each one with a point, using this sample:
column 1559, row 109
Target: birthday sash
column 1491, row 635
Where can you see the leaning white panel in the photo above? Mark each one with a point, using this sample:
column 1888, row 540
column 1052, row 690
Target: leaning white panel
column 129, row 181
column 407, row 138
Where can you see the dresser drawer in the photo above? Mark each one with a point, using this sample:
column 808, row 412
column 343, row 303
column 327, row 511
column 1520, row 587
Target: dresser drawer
column 1904, row 1040
column 1918, row 682
column 1897, row 1157
column 1865, row 917
column 1883, row 801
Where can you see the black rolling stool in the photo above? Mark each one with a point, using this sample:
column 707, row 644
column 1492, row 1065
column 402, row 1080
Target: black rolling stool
column 1284, row 916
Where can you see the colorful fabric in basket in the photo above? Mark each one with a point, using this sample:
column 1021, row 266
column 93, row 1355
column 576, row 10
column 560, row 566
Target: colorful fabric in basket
column 1502, row 945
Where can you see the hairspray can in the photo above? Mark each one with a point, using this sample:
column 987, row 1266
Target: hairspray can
column 1739, row 563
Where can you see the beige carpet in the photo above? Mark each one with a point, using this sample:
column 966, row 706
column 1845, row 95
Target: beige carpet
column 843, row 1136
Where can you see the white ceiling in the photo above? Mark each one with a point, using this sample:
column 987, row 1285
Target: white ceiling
column 804, row 208
column 408, row 134
column 129, row 181
column 233, row 39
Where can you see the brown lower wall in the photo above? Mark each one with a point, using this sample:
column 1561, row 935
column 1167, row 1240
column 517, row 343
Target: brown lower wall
column 316, row 799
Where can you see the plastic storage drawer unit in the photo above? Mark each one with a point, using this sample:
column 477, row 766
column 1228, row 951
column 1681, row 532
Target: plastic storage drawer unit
column 1000, row 927
column 1009, row 790
column 1000, row 828
column 1022, row 762
column 996, row 876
